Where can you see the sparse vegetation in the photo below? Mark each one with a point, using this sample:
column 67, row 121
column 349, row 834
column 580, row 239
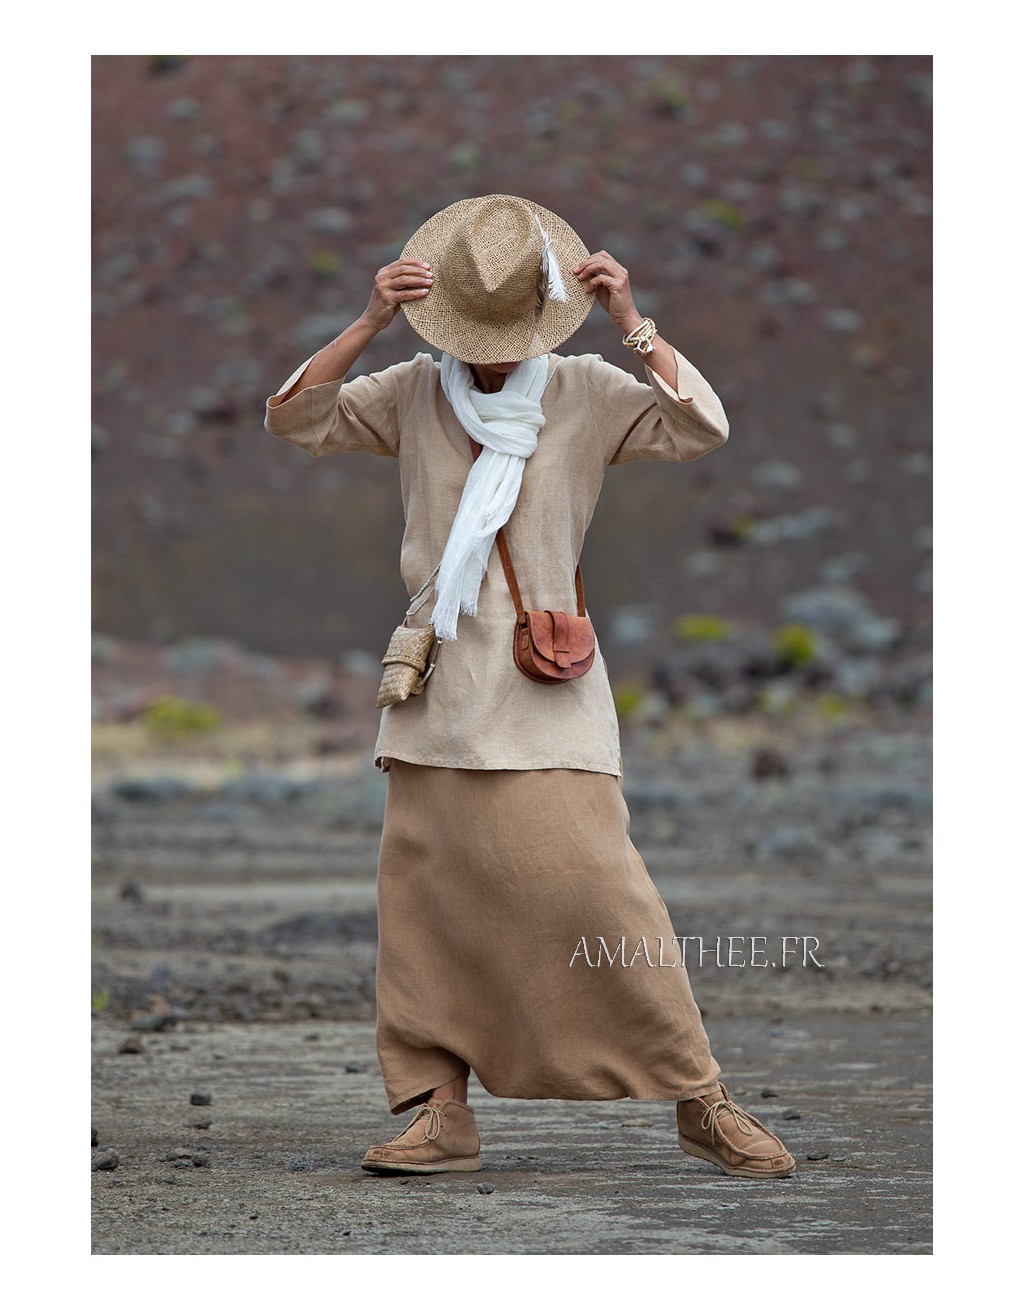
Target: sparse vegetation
column 628, row 697
column 722, row 211
column 701, row 627
column 174, row 719
column 795, row 646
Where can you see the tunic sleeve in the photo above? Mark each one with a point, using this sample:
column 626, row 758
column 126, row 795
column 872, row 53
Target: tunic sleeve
column 653, row 421
column 332, row 417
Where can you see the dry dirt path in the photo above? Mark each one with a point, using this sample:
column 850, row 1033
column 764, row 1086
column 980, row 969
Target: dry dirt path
column 279, row 1164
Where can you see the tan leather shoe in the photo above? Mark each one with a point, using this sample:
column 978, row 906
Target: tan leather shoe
column 714, row 1128
column 441, row 1136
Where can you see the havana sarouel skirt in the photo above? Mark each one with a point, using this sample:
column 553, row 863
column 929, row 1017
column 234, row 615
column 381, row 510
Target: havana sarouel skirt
column 495, row 890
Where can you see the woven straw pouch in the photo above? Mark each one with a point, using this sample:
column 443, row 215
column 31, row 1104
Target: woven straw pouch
column 404, row 662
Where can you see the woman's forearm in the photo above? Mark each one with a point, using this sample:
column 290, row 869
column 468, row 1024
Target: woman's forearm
column 335, row 360
column 405, row 279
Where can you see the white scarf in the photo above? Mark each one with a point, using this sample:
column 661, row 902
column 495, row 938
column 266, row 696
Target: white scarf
column 506, row 424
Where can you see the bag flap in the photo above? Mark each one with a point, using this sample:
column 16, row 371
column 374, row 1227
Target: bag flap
column 562, row 638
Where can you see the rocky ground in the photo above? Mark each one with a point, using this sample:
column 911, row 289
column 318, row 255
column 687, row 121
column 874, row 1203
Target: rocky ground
column 234, row 938
column 271, row 1163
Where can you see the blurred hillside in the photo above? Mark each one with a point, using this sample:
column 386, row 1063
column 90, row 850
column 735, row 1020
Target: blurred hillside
column 774, row 213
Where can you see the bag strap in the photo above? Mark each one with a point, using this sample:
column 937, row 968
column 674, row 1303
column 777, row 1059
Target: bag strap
column 510, row 573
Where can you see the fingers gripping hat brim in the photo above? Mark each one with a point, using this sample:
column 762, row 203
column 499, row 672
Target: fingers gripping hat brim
column 472, row 327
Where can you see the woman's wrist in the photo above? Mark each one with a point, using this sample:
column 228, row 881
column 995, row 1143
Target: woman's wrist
column 629, row 321
column 365, row 324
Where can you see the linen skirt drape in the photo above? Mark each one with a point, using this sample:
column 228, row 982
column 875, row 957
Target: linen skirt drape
column 488, row 882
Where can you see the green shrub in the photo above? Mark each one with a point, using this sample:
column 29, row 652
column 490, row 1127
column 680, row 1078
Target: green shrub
column 628, row 697
column 466, row 156
column 700, row 627
column 173, row 718
column 670, row 96
column 325, row 263
column 722, row 211
column 833, row 706
column 743, row 525
column 795, row 645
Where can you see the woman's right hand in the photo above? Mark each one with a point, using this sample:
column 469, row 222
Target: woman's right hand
column 405, row 279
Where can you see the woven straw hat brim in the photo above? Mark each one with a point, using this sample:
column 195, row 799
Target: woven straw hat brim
column 450, row 328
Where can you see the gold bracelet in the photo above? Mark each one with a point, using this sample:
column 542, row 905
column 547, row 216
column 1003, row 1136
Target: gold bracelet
column 641, row 339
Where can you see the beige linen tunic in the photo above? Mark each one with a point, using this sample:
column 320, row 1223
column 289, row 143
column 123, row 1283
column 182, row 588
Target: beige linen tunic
column 478, row 711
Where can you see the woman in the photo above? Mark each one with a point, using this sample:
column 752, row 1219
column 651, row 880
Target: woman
column 505, row 845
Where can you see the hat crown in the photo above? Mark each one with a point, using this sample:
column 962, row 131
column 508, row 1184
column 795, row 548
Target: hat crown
column 492, row 263
column 502, row 289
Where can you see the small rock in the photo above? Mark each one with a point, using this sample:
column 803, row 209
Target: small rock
column 805, row 523
column 778, row 475
column 161, row 65
column 153, row 1023
column 839, row 1159
column 308, row 145
column 766, row 1093
column 485, row 1188
column 818, row 1155
column 635, row 625
column 184, row 1158
column 334, row 221
column 791, row 1114
column 764, row 257
column 832, row 238
column 145, row 153
column 769, row 763
column 130, row 1046
column 845, row 615
column 131, row 891
column 353, row 1067
column 201, row 1098
column 789, row 844
column 202, row 1124
column 95, row 1138
column 348, row 111
column 842, row 320
column 360, row 662
column 148, row 789
column 183, row 108
column 193, row 186
column 105, row 1159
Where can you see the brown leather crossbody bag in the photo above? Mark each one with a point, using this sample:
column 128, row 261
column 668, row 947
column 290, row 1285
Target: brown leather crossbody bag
column 547, row 645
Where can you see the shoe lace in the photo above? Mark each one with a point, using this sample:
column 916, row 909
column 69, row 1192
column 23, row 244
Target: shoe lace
column 433, row 1126
column 709, row 1119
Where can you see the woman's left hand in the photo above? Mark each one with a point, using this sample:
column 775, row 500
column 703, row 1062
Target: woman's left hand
column 609, row 281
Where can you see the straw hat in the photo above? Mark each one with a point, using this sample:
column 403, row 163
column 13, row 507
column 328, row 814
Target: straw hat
column 503, row 286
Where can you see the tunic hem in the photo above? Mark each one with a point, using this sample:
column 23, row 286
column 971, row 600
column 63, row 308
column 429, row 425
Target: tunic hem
column 382, row 762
